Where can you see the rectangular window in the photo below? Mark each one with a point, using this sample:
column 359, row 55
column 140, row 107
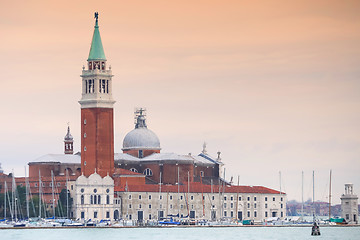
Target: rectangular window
column 192, row 197
column 170, row 206
column 281, row 199
column 225, row 213
column 254, row 205
column 107, row 214
column 139, row 196
column 248, row 205
column 282, row 214
column 149, row 197
column 224, row 198
column 150, row 216
column 149, row 205
column 181, row 197
column 266, row 214
column 129, row 196
column 248, row 198
column 281, row 205
column 248, row 213
column 130, row 217
column 213, row 198
column 231, row 198
column 239, row 198
column 160, row 197
column 86, row 86
column 107, row 86
column 265, row 205
column 224, row 205
column 273, row 199
column 231, row 205
column 254, row 198
column 139, row 205
column 95, row 214
column 231, row 214
column 255, row 214
column 170, row 197
column 82, row 215
column 129, row 205
column 265, row 199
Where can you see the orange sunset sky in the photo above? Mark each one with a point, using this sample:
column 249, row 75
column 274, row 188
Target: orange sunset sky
column 273, row 85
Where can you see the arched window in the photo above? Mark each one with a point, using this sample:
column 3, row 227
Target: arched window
column 148, row 172
column 133, row 170
column 91, row 199
column 99, row 199
column 82, row 199
column 95, row 198
column 107, row 199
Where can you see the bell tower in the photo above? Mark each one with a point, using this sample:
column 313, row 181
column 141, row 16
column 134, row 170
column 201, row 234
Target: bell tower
column 68, row 142
column 97, row 130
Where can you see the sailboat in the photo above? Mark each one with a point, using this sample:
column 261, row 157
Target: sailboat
column 315, row 230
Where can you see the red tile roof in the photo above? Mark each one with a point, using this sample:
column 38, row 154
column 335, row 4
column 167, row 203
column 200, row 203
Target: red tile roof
column 197, row 188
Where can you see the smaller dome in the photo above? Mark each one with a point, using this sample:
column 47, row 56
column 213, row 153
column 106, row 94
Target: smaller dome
column 141, row 137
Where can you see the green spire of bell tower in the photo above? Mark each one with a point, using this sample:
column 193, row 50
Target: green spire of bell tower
column 96, row 50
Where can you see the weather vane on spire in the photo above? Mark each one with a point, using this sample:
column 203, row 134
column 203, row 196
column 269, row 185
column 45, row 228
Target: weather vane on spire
column 96, row 16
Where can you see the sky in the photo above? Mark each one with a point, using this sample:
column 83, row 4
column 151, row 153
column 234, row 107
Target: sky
column 273, row 85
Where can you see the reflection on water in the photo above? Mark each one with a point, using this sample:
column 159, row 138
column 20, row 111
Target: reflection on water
column 208, row 233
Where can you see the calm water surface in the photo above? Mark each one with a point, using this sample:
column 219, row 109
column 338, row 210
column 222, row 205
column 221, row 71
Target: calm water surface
column 218, row 233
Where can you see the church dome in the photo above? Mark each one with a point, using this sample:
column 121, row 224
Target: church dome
column 141, row 137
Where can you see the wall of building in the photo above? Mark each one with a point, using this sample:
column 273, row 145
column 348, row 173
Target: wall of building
column 231, row 206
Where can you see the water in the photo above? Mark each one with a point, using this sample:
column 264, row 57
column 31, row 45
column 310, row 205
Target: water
column 217, row 233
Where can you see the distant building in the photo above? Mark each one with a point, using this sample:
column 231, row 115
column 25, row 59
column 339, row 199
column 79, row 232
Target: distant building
column 349, row 205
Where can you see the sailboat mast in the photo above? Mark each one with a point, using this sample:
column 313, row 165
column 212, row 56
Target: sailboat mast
column 237, row 199
column 314, row 193
column 67, row 195
column 188, row 195
column 52, row 193
column 5, row 200
column 14, row 196
column 330, row 197
column 27, row 194
column 160, row 198
column 302, row 195
column 178, row 182
column 39, row 194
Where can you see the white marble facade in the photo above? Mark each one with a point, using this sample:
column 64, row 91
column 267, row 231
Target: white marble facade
column 94, row 198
